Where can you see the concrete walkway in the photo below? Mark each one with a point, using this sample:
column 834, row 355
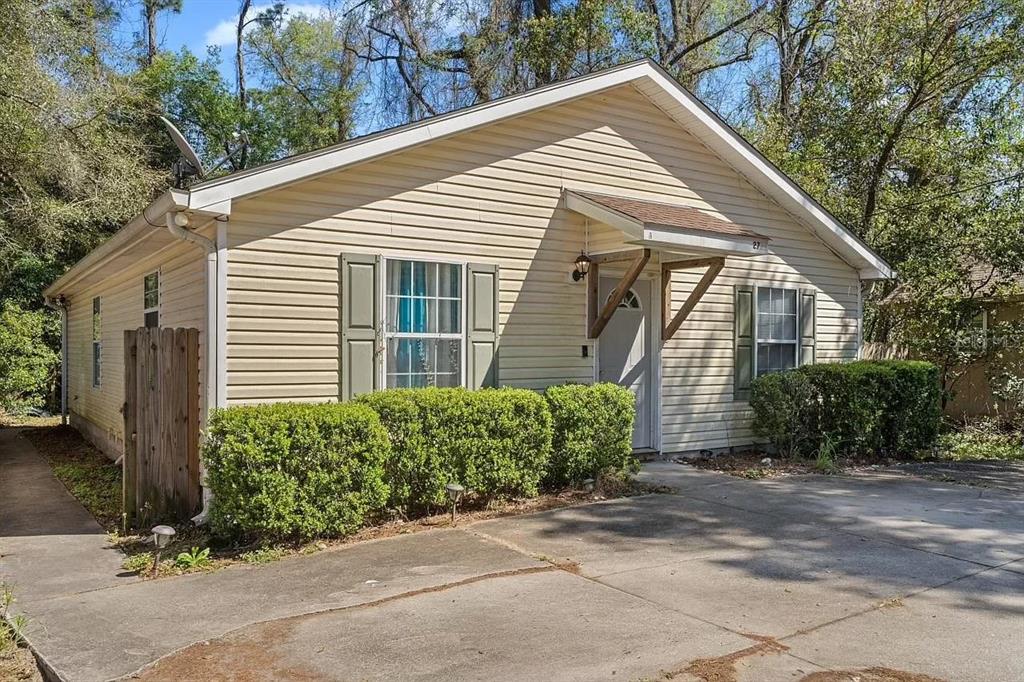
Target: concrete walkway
column 747, row 580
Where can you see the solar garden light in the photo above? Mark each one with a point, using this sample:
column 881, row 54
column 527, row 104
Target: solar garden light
column 454, row 494
column 162, row 536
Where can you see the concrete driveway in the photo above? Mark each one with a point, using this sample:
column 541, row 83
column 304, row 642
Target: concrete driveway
column 882, row 577
column 878, row 577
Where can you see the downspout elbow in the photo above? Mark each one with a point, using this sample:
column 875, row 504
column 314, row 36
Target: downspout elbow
column 176, row 225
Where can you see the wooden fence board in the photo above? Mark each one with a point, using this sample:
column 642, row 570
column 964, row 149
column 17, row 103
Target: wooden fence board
column 129, row 464
column 162, row 410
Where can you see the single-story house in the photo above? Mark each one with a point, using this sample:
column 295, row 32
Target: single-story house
column 452, row 252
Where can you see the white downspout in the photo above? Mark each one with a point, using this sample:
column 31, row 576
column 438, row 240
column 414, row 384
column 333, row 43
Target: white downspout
column 61, row 305
column 176, row 224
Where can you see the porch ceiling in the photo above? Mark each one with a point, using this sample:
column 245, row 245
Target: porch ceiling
column 667, row 226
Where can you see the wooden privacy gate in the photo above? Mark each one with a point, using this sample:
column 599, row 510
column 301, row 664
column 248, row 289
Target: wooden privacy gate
column 161, row 423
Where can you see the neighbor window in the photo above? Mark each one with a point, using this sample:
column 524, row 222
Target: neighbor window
column 97, row 341
column 151, row 300
column 776, row 329
column 423, row 324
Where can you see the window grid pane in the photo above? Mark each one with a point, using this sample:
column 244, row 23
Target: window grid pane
column 423, row 324
column 151, row 291
column 776, row 329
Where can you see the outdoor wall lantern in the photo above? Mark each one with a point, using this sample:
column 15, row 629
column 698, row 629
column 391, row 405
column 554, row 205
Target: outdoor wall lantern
column 162, row 536
column 582, row 264
column 454, row 494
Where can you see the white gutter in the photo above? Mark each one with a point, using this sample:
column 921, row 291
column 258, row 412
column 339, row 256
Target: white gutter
column 177, row 223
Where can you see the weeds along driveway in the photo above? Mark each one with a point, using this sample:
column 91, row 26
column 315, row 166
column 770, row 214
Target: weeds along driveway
column 759, row 580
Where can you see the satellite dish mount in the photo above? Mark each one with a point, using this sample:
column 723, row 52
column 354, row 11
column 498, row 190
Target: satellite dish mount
column 188, row 166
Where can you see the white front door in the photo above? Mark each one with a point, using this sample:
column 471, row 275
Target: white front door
column 624, row 351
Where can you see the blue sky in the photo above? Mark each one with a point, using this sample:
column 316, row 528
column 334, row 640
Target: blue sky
column 205, row 22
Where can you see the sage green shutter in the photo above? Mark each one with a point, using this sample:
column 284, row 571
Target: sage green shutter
column 359, row 298
column 808, row 320
column 482, row 325
column 743, row 311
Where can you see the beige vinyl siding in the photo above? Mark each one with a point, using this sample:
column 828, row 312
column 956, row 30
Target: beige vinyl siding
column 494, row 195
column 182, row 304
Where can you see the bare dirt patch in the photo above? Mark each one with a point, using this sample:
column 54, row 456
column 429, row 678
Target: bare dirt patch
column 869, row 675
column 723, row 668
column 19, row 665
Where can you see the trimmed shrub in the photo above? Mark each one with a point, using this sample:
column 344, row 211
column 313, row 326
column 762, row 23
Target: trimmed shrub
column 866, row 407
column 287, row 470
column 495, row 442
column 593, row 431
column 781, row 403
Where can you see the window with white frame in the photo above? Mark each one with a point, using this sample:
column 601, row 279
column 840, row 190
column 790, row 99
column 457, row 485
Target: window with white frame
column 97, row 341
column 151, row 300
column 423, row 324
column 777, row 339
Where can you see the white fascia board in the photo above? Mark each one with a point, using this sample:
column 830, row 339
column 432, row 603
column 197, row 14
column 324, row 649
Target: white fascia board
column 696, row 118
column 334, row 158
column 722, row 139
column 702, row 242
column 140, row 227
column 646, row 234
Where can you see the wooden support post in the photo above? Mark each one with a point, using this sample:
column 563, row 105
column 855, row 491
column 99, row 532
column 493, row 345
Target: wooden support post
column 635, row 268
column 593, row 291
column 714, row 266
column 616, row 256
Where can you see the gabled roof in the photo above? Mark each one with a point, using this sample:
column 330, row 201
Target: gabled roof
column 214, row 197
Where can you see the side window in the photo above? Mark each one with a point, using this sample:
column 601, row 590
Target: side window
column 151, row 300
column 423, row 324
column 776, row 329
column 97, row 342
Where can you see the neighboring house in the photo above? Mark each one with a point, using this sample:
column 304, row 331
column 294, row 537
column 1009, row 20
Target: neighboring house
column 993, row 337
column 443, row 253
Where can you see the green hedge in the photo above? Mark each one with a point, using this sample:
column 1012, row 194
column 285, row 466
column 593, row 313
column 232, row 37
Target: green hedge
column 295, row 471
column 492, row 441
column 287, row 470
column 890, row 407
column 593, row 431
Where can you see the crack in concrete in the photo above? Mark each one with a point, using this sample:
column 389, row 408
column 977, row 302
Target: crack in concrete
column 290, row 620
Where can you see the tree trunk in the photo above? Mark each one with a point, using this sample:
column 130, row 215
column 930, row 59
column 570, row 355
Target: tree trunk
column 150, row 8
column 243, row 155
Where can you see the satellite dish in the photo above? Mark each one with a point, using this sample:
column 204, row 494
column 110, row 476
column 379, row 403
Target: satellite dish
column 189, row 165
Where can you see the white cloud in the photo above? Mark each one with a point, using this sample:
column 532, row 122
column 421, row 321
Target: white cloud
column 224, row 32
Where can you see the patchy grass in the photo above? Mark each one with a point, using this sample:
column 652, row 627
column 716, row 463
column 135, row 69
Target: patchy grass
column 16, row 661
column 980, row 440
column 86, row 472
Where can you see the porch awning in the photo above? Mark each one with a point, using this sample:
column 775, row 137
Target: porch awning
column 668, row 226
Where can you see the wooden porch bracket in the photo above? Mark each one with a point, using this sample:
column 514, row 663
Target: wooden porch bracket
column 670, row 324
column 598, row 320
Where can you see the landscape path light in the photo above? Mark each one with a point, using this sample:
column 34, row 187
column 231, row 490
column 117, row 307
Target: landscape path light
column 162, row 536
column 454, row 494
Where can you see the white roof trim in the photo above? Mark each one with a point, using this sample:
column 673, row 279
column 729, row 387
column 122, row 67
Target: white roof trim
column 215, row 196
column 749, row 162
column 658, row 236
